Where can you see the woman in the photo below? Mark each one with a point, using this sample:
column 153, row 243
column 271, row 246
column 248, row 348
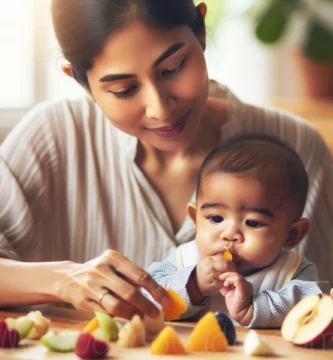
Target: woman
column 116, row 171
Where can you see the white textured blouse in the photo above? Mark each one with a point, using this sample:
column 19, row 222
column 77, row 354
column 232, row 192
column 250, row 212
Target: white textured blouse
column 70, row 189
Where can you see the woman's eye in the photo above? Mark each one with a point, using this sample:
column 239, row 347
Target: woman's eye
column 124, row 93
column 171, row 72
column 215, row 219
column 254, row 224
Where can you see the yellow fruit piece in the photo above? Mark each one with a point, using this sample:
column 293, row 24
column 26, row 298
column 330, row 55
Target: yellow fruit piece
column 167, row 343
column 227, row 254
column 92, row 325
column 207, row 336
column 176, row 307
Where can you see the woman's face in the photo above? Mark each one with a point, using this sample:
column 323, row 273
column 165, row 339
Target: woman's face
column 152, row 84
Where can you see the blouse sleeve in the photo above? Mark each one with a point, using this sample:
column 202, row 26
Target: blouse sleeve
column 26, row 164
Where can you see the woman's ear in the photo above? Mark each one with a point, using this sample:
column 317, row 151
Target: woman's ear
column 192, row 211
column 297, row 232
column 67, row 69
column 202, row 10
column 202, row 7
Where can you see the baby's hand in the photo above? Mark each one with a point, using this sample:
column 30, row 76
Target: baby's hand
column 238, row 297
column 208, row 271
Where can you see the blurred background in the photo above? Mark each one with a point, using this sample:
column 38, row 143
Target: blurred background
column 269, row 52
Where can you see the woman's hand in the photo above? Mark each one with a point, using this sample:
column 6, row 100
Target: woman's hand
column 208, row 271
column 109, row 283
column 238, row 297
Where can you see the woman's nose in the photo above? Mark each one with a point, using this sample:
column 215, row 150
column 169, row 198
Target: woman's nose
column 160, row 104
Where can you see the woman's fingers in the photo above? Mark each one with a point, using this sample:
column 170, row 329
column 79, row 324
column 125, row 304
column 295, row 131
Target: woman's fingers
column 139, row 278
column 117, row 307
column 123, row 293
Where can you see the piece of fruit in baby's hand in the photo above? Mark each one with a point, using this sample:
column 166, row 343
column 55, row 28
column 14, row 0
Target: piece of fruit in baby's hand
column 132, row 334
column 9, row 338
column 310, row 321
column 176, row 307
column 87, row 347
column 254, row 345
column 227, row 327
column 62, row 341
column 40, row 327
column 227, row 254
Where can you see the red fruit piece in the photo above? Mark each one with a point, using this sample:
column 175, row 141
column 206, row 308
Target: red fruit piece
column 9, row 338
column 87, row 347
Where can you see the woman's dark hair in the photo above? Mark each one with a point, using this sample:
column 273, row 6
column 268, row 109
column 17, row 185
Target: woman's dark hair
column 262, row 157
column 82, row 27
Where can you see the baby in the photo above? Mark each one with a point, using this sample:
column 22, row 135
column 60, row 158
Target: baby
column 250, row 198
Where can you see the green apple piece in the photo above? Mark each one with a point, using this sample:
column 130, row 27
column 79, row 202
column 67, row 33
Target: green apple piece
column 63, row 341
column 100, row 334
column 22, row 324
column 108, row 326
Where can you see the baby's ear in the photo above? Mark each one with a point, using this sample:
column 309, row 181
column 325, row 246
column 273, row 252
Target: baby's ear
column 192, row 211
column 297, row 232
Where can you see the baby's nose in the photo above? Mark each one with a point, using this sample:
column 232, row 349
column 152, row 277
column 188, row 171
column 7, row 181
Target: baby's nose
column 231, row 233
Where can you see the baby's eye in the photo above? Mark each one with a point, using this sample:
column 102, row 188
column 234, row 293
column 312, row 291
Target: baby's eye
column 215, row 219
column 254, row 224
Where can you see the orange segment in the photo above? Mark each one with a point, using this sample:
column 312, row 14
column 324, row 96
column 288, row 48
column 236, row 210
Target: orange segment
column 176, row 307
column 227, row 254
column 207, row 336
column 92, row 325
column 167, row 343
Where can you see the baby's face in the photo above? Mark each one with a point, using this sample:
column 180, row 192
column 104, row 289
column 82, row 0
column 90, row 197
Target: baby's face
column 240, row 213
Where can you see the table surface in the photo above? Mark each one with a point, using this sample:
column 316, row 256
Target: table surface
column 68, row 319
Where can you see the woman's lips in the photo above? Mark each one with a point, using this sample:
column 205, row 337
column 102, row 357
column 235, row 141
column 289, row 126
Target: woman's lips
column 171, row 131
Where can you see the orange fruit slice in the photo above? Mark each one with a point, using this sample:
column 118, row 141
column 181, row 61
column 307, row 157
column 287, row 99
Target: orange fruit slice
column 167, row 342
column 176, row 307
column 227, row 254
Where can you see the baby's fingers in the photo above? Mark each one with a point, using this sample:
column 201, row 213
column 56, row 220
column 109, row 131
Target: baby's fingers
column 230, row 279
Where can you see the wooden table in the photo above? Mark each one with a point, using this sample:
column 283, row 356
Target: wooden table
column 62, row 319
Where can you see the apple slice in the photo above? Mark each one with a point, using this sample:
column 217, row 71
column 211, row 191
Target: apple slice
column 22, row 324
column 9, row 338
column 254, row 345
column 63, row 341
column 154, row 326
column 132, row 334
column 87, row 347
column 107, row 325
column 310, row 321
column 40, row 327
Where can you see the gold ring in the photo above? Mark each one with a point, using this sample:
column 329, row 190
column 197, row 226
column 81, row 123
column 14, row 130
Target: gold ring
column 100, row 299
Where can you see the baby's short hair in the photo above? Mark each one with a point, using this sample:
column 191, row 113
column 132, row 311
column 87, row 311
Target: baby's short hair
column 261, row 157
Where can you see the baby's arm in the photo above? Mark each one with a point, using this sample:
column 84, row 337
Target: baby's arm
column 270, row 308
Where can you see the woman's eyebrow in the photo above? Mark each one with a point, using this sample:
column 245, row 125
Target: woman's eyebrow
column 168, row 52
